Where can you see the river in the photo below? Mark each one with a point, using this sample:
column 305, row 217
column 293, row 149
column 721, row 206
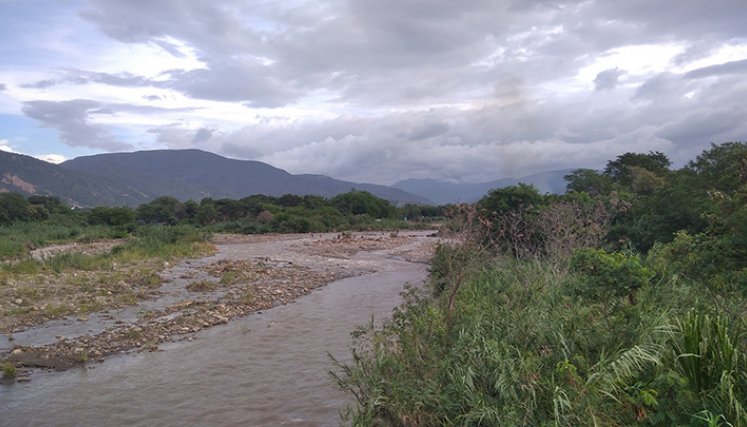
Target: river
column 266, row 369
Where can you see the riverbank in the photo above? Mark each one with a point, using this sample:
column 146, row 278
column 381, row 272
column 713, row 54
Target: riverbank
column 247, row 274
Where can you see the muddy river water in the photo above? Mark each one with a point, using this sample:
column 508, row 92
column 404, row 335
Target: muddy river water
column 261, row 370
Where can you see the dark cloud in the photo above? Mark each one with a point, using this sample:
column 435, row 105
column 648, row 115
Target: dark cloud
column 3, row 87
column 735, row 67
column 202, row 135
column 429, row 130
column 71, row 119
column 607, row 79
column 235, row 82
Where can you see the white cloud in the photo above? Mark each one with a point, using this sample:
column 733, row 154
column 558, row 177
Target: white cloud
column 5, row 146
column 52, row 158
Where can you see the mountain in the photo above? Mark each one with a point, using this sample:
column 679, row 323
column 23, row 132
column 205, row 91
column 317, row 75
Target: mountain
column 28, row 175
column 196, row 174
column 442, row 192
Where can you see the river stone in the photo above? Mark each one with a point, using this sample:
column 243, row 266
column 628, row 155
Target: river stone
column 18, row 301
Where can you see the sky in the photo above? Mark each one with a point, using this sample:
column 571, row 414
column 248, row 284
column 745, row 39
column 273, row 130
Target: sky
column 376, row 91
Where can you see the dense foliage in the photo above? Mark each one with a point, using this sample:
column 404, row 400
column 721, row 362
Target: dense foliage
column 38, row 220
column 622, row 302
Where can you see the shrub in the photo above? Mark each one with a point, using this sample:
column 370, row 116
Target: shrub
column 609, row 275
column 9, row 370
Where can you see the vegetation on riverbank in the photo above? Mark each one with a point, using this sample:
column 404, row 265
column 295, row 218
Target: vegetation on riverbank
column 30, row 223
column 623, row 302
column 110, row 257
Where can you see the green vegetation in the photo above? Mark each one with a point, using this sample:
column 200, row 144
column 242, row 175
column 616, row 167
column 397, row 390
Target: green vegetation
column 9, row 370
column 112, row 255
column 27, row 224
column 622, row 302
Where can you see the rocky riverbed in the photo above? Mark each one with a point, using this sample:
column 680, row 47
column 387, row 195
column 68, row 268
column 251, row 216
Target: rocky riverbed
column 247, row 274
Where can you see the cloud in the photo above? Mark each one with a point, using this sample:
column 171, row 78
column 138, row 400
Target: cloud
column 202, row 135
column 5, row 146
column 81, row 77
column 52, row 158
column 71, row 119
column 3, row 87
column 607, row 79
column 386, row 90
column 734, row 67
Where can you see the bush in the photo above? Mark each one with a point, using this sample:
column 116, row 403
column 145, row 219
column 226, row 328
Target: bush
column 607, row 275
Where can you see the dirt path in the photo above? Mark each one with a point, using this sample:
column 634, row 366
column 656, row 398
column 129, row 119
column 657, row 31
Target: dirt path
column 248, row 274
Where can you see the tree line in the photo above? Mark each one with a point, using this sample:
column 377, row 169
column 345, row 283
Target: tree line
column 256, row 213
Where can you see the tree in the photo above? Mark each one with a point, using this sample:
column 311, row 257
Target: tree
column 362, row 202
column 13, row 207
column 509, row 199
column 621, row 169
column 723, row 167
column 206, row 214
column 589, row 181
column 116, row 216
column 510, row 214
column 164, row 210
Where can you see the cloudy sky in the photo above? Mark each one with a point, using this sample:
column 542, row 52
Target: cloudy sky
column 375, row 90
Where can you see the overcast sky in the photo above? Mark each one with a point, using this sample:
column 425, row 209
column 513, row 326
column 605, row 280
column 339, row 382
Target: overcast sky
column 376, row 90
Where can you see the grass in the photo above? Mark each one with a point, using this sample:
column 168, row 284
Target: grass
column 17, row 239
column 202, row 286
column 228, row 278
column 71, row 282
column 9, row 370
column 520, row 347
column 248, row 297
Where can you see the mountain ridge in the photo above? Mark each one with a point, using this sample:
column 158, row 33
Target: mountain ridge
column 130, row 179
column 444, row 192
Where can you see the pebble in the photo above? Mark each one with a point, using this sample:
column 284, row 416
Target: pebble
column 23, row 379
column 18, row 301
column 16, row 351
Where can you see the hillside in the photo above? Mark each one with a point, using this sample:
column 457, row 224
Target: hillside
column 28, row 175
column 196, row 174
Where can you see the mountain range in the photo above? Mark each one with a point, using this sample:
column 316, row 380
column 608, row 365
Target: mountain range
column 129, row 179
column 442, row 192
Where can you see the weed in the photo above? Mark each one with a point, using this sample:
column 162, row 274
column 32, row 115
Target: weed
column 147, row 279
column 54, row 311
column 248, row 297
column 202, row 286
column 228, row 278
column 9, row 370
column 27, row 293
column 132, row 333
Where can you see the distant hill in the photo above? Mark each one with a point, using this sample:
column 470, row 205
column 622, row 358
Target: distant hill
column 196, row 174
column 442, row 192
column 28, row 175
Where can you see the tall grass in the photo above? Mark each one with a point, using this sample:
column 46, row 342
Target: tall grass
column 17, row 239
column 151, row 243
column 521, row 348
